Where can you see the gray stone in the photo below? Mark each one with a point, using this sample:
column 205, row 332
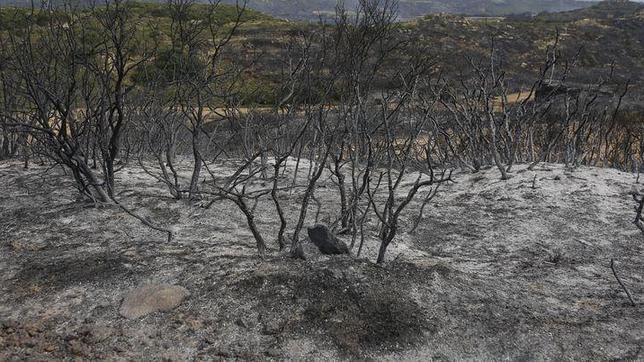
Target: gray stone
column 152, row 298
column 326, row 242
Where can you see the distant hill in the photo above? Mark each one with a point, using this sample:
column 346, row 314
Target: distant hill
column 313, row 9
column 607, row 34
column 609, row 9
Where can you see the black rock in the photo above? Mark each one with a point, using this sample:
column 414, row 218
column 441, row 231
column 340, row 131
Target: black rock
column 328, row 243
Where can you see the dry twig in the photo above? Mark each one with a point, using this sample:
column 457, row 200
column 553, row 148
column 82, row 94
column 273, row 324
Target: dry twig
column 612, row 267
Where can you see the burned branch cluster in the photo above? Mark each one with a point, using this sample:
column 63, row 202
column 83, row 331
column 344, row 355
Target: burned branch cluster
column 94, row 89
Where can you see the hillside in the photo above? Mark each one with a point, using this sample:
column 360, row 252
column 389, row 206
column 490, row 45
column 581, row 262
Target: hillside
column 496, row 270
column 312, row 9
column 604, row 33
column 183, row 181
column 609, row 32
column 609, row 9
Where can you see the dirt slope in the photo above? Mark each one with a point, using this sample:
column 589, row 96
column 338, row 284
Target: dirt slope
column 496, row 270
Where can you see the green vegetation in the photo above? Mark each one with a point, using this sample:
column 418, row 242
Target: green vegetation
column 224, row 13
column 610, row 32
column 311, row 10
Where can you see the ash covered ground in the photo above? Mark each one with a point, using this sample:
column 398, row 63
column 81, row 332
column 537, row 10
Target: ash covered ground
column 495, row 270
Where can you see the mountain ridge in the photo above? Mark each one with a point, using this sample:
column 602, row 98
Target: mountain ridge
column 407, row 9
column 310, row 10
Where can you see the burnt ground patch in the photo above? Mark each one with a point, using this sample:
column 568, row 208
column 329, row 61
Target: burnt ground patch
column 353, row 305
column 493, row 272
column 62, row 273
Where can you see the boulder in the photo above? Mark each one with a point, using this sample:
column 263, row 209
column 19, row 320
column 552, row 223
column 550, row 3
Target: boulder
column 326, row 242
column 152, row 298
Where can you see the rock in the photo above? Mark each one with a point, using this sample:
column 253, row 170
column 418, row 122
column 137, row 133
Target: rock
column 328, row 243
column 152, row 298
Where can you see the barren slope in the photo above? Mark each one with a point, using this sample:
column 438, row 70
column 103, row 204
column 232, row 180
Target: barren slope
column 497, row 269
